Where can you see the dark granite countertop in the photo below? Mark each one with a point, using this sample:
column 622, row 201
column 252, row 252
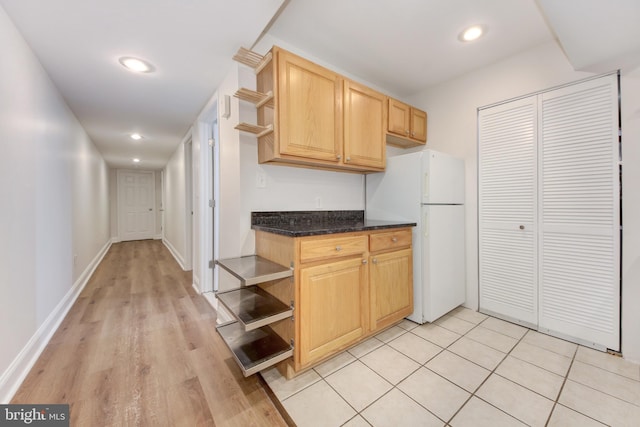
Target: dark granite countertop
column 314, row 223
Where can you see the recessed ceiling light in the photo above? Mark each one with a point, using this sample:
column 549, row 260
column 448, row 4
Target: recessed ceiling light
column 136, row 64
column 136, row 136
column 472, row 33
column 136, row 160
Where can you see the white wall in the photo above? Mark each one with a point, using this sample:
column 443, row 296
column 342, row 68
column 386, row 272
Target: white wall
column 452, row 128
column 54, row 220
column 630, row 85
column 175, row 205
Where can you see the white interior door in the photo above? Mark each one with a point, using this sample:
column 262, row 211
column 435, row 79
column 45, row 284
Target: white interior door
column 579, row 210
column 136, row 204
column 507, row 163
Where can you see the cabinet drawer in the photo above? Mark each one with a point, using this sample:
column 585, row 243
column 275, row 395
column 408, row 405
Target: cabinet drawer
column 389, row 240
column 311, row 250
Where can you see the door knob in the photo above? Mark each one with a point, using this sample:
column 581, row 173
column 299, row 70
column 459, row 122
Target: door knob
column 522, row 227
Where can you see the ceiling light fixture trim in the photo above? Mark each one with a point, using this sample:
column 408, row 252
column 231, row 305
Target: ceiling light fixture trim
column 136, row 65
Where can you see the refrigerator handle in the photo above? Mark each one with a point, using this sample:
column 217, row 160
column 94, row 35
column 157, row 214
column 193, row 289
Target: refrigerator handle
column 426, row 185
column 425, row 224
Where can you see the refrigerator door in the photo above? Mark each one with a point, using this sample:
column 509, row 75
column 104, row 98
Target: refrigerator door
column 394, row 195
column 442, row 178
column 443, row 260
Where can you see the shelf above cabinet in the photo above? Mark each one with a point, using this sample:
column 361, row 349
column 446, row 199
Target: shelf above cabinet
column 254, row 129
column 255, row 350
column 257, row 98
column 254, row 307
column 253, row 269
column 252, row 59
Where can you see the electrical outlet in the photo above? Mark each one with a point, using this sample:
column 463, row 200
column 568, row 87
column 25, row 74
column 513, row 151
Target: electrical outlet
column 261, row 180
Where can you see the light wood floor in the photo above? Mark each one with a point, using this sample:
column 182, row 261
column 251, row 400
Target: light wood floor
column 139, row 348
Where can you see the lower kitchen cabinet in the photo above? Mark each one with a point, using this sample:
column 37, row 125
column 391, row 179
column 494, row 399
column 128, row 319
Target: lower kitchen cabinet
column 391, row 284
column 333, row 307
column 346, row 287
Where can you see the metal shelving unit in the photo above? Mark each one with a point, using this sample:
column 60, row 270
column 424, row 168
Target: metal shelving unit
column 254, row 344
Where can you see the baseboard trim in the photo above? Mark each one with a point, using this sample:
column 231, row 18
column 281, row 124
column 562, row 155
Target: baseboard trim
column 157, row 237
column 195, row 288
column 175, row 253
column 17, row 371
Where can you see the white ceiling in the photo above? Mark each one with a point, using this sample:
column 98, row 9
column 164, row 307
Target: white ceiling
column 190, row 42
column 402, row 46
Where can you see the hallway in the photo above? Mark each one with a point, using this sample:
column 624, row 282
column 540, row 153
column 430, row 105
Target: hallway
column 139, row 348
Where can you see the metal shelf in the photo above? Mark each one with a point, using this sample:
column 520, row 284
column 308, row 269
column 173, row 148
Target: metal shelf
column 255, row 350
column 254, row 307
column 253, row 269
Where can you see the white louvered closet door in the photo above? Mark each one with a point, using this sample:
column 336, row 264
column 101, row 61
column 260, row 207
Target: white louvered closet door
column 507, row 210
column 579, row 212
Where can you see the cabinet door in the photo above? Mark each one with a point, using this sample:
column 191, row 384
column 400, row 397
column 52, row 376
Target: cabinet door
column 364, row 114
column 391, row 285
column 309, row 108
column 333, row 308
column 399, row 120
column 418, row 125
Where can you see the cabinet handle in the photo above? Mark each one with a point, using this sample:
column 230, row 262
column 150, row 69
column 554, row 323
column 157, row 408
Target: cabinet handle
column 375, row 260
column 394, row 239
column 407, row 131
column 364, row 261
column 347, row 159
column 338, row 156
column 413, row 134
column 522, row 227
column 338, row 248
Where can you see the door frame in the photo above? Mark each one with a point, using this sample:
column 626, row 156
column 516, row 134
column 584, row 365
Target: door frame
column 188, row 202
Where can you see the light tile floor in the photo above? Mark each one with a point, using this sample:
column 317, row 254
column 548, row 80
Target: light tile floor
column 465, row 369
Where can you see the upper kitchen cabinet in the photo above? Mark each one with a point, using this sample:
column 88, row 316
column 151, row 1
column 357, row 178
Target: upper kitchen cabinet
column 309, row 110
column 364, row 118
column 406, row 126
column 313, row 117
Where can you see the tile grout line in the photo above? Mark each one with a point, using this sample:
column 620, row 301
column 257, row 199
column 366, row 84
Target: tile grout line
column 441, row 351
column 486, row 379
column 566, row 377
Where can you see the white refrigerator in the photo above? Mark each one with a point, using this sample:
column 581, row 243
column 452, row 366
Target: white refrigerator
column 427, row 188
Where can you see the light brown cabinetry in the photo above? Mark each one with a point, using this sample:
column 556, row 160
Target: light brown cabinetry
column 390, row 277
column 309, row 109
column 406, row 125
column 317, row 118
column 333, row 307
column 347, row 286
column 364, row 117
column 391, row 284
